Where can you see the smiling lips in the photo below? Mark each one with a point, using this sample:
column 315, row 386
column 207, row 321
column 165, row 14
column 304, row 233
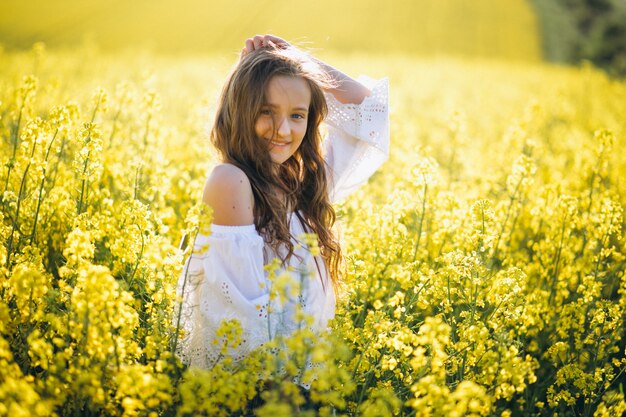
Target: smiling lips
column 280, row 144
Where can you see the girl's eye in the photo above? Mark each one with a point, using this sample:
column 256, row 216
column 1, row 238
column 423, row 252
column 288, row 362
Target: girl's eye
column 266, row 112
column 297, row 116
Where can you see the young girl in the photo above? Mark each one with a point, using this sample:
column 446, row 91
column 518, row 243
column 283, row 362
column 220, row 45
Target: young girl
column 276, row 182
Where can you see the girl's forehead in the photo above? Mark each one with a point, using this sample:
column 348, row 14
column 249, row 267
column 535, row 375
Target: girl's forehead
column 288, row 90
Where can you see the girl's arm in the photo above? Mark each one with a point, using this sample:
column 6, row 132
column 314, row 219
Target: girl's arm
column 347, row 89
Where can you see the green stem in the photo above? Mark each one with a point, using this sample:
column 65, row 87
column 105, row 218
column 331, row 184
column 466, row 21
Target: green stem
column 84, row 187
column 19, row 205
column 43, row 180
column 513, row 224
column 182, row 296
column 84, row 183
column 55, row 171
column 506, row 220
column 139, row 256
column 137, row 183
column 15, row 141
column 419, row 230
column 556, row 264
column 147, row 130
column 95, row 110
column 592, row 181
column 370, row 375
column 114, row 339
column 114, row 130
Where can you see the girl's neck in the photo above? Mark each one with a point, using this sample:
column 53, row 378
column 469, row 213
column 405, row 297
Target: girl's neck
column 283, row 199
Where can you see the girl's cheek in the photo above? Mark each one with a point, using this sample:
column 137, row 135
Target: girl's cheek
column 261, row 127
column 267, row 126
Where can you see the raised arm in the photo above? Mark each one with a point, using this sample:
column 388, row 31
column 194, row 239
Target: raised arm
column 346, row 90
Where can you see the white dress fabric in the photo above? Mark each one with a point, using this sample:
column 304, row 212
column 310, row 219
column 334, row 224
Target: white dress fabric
column 225, row 278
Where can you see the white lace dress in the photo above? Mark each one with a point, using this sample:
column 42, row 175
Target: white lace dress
column 225, row 277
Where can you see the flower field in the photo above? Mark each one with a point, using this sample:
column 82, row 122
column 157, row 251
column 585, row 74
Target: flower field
column 484, row 262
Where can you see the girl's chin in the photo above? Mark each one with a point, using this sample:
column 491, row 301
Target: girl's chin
column 279, row 160
column 280, row 155
column 280, row 149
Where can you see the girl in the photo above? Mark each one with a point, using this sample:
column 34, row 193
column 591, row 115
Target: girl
column 276, row 183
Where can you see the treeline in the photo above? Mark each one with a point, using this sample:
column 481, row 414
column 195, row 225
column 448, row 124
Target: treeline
column 578, row 30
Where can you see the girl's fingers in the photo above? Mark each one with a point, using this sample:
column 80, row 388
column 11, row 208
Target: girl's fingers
column 258, row 41
column 281, row 43
column 249, row 45
column 265, row 41
column 269, row 38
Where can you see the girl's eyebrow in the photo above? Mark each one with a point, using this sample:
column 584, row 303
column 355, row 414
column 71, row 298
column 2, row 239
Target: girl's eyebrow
column 298, row 108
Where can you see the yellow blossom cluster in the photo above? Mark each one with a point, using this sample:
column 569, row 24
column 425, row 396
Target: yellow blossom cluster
column 484, row 271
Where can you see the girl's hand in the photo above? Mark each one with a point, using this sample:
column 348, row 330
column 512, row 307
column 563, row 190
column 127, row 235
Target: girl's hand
column 264, row 41
column 347, row 90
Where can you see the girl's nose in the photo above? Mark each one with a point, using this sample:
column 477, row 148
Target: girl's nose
column 283, row 127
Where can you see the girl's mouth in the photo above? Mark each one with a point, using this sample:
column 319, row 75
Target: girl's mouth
column 280, row 144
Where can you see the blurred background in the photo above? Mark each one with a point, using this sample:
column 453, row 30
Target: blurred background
column 564, row 31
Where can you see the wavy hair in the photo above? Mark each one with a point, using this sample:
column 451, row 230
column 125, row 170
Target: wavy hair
column 302, row 178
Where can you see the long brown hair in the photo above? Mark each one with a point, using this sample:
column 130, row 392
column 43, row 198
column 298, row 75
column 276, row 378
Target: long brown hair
column 302, row 178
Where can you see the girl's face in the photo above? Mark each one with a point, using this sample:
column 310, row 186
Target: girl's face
column 283, row 118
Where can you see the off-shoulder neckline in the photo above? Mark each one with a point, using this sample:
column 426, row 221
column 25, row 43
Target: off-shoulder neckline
column 235, row 229
column 244, row 229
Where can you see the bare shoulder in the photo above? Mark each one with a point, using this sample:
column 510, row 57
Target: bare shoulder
column 229, row 193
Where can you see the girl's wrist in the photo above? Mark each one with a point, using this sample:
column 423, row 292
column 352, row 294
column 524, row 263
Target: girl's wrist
column 345, row 89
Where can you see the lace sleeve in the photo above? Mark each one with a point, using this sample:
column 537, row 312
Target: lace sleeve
column 222, row 280
column 358, row 138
